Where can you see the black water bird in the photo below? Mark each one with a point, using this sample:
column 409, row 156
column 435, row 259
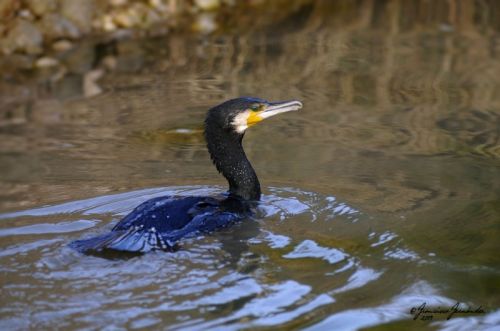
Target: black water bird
column 159, row 223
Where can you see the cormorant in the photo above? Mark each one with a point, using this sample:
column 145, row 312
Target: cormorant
column 159, row 223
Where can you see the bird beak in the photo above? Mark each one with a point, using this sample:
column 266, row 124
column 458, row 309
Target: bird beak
column 276, row 108
column 272, row 109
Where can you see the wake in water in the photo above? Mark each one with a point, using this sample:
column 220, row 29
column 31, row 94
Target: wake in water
column 301, row 259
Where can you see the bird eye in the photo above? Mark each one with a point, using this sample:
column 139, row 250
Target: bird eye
column 255, row 107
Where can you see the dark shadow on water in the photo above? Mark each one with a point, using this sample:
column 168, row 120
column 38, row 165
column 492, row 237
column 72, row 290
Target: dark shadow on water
column 111, row 254
column 235, row 243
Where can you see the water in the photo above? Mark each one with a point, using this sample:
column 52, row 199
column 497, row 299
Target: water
column 381, row 194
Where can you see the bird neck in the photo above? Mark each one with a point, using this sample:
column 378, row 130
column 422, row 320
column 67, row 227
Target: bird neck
column 226, row 150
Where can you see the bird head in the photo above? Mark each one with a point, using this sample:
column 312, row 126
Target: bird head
column 242, row 113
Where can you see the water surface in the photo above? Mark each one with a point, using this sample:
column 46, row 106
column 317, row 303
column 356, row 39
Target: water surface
column 381, row 194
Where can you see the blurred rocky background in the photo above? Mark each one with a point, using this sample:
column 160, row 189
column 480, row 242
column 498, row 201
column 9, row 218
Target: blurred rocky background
column 63, row 47
column 44, row 41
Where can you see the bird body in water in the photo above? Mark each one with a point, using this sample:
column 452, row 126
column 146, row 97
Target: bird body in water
column 159, row 223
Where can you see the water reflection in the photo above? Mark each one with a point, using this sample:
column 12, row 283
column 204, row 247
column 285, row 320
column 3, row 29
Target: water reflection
column 361, row 318
column 228, row 271
column 382, row 193
column 309, row 248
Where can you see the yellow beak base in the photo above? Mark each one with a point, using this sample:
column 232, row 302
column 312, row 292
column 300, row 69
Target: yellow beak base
column 254, row 118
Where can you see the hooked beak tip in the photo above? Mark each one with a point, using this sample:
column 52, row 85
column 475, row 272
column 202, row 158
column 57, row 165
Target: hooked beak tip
column 285, row 106
column 280, row 107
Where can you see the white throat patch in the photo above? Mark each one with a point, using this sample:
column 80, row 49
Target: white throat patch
column 240, row 122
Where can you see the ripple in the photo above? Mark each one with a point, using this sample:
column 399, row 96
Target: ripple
column 309, row 248
column 25, row 248
column 117, row 204
column 402, row 254
column 383, row 238
column 182, row 287
column 44, row 228
column 268, row 310
column 393, row 249
column 277, row 240
column 287, row 202
column 397, row 309
column 358, row 279
column 489, row 321
column 245, row 284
